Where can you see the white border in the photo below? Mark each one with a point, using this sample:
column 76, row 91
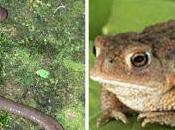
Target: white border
column 86, row 64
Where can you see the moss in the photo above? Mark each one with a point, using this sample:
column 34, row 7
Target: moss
column 36, row 37
column 73, row 117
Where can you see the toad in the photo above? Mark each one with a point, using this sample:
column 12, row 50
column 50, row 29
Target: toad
column 137, row 73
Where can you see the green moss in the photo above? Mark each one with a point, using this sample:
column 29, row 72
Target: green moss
column 73, row 65
column 5, row 119
column 73, row 117
column 36, row 37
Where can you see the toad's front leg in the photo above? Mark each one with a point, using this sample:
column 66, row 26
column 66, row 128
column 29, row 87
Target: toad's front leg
column 167, row 118
column 111, row 108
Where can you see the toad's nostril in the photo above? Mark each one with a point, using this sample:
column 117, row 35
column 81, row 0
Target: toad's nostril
column 111, row 61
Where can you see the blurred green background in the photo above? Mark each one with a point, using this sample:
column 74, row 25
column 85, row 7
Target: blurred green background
column 42, row 60
column 109, row 17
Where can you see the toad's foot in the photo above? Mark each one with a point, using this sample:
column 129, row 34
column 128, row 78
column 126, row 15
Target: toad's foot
column 107, row 115
column 167, row 118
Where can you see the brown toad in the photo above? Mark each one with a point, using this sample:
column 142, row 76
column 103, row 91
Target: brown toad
column 137, row 72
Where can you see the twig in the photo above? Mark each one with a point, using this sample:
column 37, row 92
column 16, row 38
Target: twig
column 59, row 7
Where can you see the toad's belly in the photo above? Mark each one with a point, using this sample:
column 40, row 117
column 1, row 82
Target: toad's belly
column 135, row 99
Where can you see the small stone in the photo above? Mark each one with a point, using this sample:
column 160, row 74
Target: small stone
column 3, row 14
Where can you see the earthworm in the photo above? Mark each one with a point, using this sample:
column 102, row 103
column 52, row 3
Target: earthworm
column 44, row 121
column 3, row 13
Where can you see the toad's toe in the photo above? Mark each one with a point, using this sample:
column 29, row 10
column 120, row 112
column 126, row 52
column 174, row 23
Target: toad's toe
column 103, row 119
column 119, row 116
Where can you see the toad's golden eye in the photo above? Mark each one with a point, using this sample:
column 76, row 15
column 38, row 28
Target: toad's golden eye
column 139, row 59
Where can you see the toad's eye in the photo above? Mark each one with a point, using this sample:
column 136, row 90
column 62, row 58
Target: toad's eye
column 140, row 59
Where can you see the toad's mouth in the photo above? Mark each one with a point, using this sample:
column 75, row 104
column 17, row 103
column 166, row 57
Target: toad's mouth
column 118, row 83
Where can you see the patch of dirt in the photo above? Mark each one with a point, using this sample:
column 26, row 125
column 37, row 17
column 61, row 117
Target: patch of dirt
column 11, row 89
